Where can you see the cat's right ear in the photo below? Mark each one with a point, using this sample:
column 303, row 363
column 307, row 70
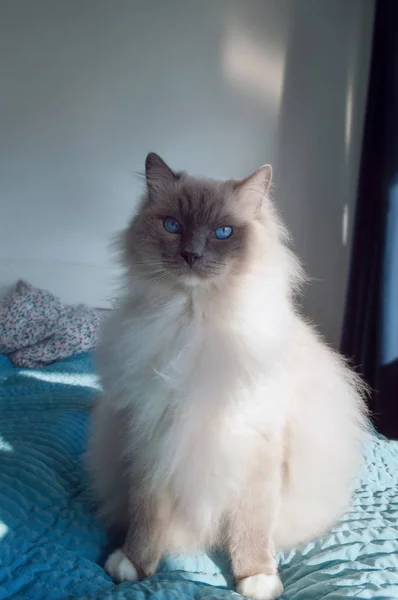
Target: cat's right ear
column 159, row 176
column 253, row 190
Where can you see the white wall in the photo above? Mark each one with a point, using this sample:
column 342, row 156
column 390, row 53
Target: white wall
column 216, row 87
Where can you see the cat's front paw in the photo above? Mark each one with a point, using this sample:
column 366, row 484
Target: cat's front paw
column 260, row 587
column 120, row 568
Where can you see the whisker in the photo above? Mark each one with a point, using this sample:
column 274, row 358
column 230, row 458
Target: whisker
column 148, row 264
column 159, row 276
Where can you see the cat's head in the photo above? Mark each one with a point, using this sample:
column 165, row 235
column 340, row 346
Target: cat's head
column 195, row 230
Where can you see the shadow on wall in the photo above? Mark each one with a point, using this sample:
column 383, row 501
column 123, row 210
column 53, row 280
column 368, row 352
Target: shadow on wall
column 320, row 136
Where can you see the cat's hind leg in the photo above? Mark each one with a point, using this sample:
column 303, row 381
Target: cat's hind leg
column 107, row 465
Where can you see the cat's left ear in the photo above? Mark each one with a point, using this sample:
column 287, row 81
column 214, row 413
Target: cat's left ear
column 253, row 190
column 159, row 176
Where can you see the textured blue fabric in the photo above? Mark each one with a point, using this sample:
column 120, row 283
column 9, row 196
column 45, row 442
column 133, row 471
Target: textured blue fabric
column 52, row 547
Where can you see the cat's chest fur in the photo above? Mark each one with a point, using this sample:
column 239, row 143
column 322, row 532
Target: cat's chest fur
column 185, row 355
column 195, row 384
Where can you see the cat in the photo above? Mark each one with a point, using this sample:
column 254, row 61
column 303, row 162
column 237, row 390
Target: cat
column 225, row 420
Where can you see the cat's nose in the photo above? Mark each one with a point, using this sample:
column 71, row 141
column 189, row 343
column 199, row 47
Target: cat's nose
column 190, row 257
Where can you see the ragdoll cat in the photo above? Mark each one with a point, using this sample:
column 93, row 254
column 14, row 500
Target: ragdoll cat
column 225, row 420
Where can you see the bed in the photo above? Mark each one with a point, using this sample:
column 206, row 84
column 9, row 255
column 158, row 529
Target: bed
column 52, row 546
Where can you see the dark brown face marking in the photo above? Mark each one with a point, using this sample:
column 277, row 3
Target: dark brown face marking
column 199, row 206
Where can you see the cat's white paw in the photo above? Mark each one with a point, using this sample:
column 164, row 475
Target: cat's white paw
column 260, row 587
column 120, row 568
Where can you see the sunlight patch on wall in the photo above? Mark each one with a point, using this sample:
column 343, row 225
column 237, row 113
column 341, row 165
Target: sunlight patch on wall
column 344, row 226
column 348, row 117
column 253, row 67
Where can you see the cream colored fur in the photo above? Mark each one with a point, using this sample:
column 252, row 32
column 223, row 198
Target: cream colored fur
column 223, row 407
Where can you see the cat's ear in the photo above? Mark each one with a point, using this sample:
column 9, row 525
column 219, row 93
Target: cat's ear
column 253, row 190
column 159, row 176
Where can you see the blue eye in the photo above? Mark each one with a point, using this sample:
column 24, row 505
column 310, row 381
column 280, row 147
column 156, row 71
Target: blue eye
column 172, row 225
column 223, row 233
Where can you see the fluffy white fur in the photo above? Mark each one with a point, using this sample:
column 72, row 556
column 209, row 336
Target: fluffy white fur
column 204, row 385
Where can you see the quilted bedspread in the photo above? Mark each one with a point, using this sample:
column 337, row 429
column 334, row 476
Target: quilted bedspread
column 52, row 547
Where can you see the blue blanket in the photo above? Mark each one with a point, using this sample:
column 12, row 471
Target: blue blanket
column 52, row 547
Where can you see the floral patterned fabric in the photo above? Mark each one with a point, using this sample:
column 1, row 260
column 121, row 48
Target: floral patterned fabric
column 36, row 328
